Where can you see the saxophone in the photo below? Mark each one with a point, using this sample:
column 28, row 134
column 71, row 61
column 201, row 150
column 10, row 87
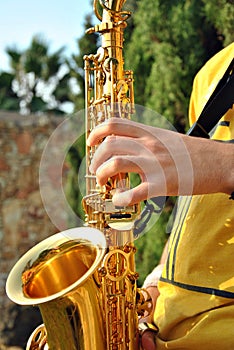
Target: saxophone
column 83, row 279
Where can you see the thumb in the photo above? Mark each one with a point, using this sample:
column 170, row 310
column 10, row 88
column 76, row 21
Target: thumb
column 131, row 196
column 148, row 341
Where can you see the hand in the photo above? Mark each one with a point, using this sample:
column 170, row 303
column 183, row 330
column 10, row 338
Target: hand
column 168, row 163
column 148, row 341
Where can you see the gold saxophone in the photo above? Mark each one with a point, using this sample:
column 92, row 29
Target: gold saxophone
column 84, row 279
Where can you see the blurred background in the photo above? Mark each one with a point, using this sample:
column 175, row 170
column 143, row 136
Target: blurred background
column 42, row 45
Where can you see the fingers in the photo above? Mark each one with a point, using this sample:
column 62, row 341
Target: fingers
column 116, row 165
column 153, row 181
column 132, row 196
column 148, row 333
column 159, row 156
column 148, row 341
column 121, row 154
column 112, row 146
column 116, row 126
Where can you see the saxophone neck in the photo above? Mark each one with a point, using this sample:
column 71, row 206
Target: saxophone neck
column 113, row 22
column 114, row 7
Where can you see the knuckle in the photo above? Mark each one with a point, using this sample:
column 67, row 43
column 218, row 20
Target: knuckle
column 116, row 163
column 110, row 125
column 109, row 140
column 152, row 145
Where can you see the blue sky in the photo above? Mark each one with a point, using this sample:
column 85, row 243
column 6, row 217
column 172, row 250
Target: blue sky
column 59, row 21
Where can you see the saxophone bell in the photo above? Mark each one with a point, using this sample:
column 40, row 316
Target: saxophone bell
column 60, row 275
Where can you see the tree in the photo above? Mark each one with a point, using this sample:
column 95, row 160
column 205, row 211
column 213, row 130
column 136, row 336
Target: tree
column 8, row 98
column 171, row 41
column 220, row 14
column 41, row 79
column 130, row 6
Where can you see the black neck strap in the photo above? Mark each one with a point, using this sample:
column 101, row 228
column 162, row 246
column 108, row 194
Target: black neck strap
column 218, row 104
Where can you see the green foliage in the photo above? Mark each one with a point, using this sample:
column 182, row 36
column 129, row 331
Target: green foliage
column 37, row 79
column 130, row 6
column 15, row 57
column 73, row 191
column 35, row 57
column 221, row 14
column 170, row 42
column 166, row 97
column 8, row 99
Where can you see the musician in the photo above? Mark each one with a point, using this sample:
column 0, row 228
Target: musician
column 194, row 291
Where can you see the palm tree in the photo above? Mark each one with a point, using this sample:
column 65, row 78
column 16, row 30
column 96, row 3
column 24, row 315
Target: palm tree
column 8, row 98
column 41, row 79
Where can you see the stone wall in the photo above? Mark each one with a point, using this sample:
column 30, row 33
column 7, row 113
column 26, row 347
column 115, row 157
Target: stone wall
column 23, row 219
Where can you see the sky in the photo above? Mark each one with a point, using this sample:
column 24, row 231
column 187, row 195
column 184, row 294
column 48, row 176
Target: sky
column 60, row 22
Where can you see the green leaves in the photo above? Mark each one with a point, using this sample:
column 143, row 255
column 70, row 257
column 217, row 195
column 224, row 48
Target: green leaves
column 8, row 99
column 38, row 79
column 171, row 40
column 221, row 14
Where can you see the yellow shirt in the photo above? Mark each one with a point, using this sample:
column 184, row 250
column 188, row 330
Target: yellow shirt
column 195, row 309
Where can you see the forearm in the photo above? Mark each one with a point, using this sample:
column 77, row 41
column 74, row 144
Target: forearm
column 213, row 165
column 169, row 163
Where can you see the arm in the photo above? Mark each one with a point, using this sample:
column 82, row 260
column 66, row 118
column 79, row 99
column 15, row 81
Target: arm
column 168, row 163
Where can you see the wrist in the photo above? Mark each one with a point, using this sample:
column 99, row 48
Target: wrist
column 227, row 168
column 213, row 166
column 153, row 278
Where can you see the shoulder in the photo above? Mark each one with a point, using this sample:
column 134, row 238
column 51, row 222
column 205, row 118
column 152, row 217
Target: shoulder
column 217, row 65
column 207, row 79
